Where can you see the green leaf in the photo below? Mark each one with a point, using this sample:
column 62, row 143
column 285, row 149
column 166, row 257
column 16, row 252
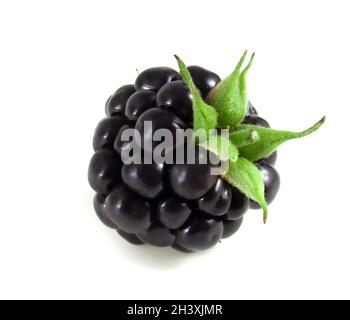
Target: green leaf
column 246, row 177
column 270, row 140
column 222, row 147
column 204, row 115
column 244, row 137
column 229, row 97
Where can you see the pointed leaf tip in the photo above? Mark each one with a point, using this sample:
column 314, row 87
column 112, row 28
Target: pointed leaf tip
column 241, row 61
column 246, row 177
column 204, row 116
column 270, row 140
column 229, row 97
column 251, row 60
column 265, row 215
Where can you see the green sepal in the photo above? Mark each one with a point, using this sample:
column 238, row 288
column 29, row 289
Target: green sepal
column 229, row 97
column 244, row 137
column 270, row 139
column 226, row 108
column 222, row 147
column 246, row 177
column 204, row 116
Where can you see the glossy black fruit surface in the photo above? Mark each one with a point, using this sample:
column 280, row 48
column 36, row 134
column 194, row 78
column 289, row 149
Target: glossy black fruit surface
column 204, row 79
column 130, row 237
column 271, row 182
column 173, row 212
column 145, row 179
column 107, row 130
column 117, row 101
column 217, row 200
column 157, row 235
column 239, row 205
column 104, row 171
column 176, row 97
column 154, row 119
column 231, row 227
column 128, row 211
column 256, row 120
column 155, row 78
column 119, row 143
column 177, row 247
column 139, row 102
column 100, row 209
column 192, row 181
column 201, row 234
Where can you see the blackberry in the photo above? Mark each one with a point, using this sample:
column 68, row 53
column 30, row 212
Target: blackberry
column 181, row 205
column 162, row 205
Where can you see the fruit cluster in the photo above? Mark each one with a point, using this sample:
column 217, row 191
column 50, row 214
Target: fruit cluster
column 178, row 205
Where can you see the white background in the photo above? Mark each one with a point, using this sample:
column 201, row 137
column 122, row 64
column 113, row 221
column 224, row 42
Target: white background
column 60, row 60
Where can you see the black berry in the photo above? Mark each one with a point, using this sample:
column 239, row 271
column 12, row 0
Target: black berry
column 201, row 234
column 231, row 227
column 116, row 102
column 119, row 144
column 155, row 78
column 107, row 130
column 239, row 205
column 217, row 200
column 130, row 212
column 101, row 212
column 104, row 171
column 146, row 179
column 157, row 235
column 139, row 102
column 182, row 205
column 173, row 212
column 192, row 181
column 176, row 97
column 204, row 79
column 159, row 119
